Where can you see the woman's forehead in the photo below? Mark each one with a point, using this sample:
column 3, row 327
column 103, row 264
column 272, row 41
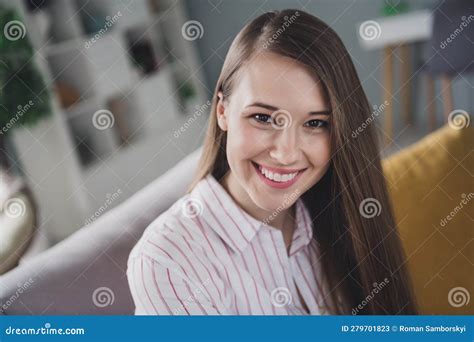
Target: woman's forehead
column 279, row 81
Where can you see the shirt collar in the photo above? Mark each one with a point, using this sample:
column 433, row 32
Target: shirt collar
column 234, row 225
column 304, row 228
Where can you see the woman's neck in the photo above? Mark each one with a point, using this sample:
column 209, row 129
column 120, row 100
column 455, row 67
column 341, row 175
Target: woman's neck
column 284, row 220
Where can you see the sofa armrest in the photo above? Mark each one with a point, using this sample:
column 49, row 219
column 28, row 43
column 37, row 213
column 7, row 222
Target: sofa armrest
column 62, row 280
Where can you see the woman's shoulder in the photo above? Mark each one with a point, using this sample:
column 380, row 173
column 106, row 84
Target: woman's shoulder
column 176, row 232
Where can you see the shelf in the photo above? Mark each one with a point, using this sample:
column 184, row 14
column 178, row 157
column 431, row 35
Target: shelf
column 401, row 28
column 92, row 140
column 63, row 20
column 79, row 108
column 70, row 72
column 100, row 75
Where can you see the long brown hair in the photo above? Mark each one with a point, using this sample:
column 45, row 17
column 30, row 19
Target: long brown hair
column 361, row 255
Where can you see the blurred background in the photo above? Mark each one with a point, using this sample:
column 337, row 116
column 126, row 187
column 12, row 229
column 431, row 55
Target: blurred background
column 99, row 98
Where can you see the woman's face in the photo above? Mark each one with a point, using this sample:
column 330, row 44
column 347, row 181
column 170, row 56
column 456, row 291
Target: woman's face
column 277, row 123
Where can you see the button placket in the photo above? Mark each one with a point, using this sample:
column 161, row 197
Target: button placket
column 277, row 235
column 310, row 301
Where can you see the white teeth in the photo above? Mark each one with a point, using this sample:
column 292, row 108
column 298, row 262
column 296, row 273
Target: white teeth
column 277, row 177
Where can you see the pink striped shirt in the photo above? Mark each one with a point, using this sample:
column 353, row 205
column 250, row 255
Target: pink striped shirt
column 206, row 256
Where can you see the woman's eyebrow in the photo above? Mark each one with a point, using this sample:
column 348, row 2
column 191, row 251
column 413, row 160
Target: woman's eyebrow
column 273, row 108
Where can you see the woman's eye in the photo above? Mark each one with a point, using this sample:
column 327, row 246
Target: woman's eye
column 267, row 119
column 317, row 124
column 262, row 118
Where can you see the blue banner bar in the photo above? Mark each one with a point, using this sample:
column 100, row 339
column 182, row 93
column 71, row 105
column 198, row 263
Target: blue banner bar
column 255, row 328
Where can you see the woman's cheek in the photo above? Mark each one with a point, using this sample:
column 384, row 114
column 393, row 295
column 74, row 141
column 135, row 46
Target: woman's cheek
column 237, row 147
column 318, row 148
column 247, row 139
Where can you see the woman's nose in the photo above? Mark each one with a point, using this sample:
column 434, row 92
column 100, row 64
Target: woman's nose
column 286, row 149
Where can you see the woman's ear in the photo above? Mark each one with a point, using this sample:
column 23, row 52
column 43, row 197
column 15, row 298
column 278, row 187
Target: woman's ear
column 221, row 111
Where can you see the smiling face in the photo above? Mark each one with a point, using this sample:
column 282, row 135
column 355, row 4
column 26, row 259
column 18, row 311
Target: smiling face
column 278, row 141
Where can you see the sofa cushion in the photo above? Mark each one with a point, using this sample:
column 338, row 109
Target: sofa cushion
column 432, row 191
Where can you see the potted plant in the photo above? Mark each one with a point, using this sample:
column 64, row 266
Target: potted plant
column 24, row 98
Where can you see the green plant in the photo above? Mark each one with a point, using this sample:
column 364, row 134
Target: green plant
column 24, row 97
column 394, row 7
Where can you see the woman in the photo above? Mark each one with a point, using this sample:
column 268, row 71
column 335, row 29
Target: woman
column 278, row 220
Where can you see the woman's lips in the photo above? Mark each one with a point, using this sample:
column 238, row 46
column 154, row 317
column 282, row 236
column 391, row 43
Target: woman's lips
column 276, row 184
